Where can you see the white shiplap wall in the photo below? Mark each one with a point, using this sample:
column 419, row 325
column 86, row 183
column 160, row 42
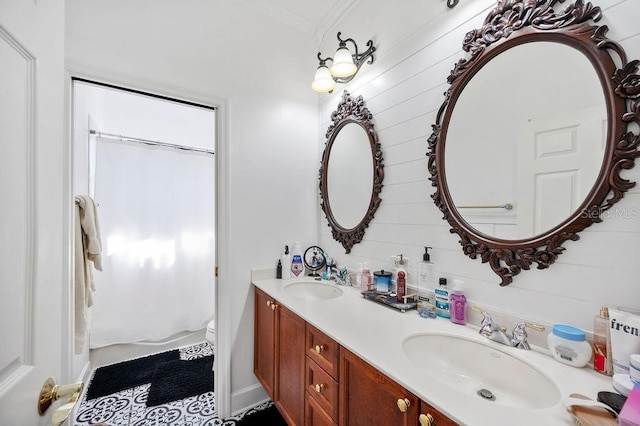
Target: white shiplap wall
column 418, row 43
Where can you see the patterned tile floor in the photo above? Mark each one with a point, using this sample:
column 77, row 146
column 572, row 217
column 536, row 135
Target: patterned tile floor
column 128, row 407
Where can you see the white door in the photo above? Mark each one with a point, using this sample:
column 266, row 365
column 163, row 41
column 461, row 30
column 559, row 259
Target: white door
column 559, row 158
column 34, row 341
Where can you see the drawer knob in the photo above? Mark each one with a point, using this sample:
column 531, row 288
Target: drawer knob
column 319, row 348
column 426, row 420
column 403, row 405
column 319, row 387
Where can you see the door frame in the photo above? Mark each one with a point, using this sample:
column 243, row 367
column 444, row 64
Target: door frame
column 222, row 358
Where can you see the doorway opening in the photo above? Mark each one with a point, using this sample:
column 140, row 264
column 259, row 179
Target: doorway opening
column 148, row 162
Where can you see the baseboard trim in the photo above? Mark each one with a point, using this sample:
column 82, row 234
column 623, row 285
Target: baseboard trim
column 247, row 397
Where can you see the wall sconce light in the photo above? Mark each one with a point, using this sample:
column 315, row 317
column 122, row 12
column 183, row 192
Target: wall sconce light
column 344, row 65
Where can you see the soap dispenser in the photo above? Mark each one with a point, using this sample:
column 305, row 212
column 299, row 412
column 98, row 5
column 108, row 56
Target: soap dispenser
column 297, row 266
column 425, row 272
column 285, row 259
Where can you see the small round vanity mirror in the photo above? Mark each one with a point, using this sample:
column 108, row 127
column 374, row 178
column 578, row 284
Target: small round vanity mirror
column 314, row 260
column 351, row 173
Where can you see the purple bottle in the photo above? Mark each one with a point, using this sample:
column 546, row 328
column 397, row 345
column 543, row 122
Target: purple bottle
column 458, row 306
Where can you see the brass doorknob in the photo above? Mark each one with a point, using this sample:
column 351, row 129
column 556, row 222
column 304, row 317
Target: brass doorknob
column 319, row 348
column 403, row 405
column 51, row 391
column 319, row 388
column 426, row 420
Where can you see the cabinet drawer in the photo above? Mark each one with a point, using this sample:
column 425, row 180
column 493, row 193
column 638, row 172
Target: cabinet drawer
column 315, row 415
column 323, row 350
column 322, row 388
column 439, row 419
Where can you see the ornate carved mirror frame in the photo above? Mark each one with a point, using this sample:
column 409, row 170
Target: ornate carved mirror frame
column 351, row 110
column 509, row 24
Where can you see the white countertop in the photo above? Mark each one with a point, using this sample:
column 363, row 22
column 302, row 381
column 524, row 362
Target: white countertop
column 376, row 333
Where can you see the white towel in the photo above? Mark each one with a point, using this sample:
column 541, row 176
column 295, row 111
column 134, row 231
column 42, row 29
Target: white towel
column 88, row 250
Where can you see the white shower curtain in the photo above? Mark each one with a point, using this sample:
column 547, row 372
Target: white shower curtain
column 156, row 208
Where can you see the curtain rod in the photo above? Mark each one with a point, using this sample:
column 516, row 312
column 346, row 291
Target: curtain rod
column 149, row 142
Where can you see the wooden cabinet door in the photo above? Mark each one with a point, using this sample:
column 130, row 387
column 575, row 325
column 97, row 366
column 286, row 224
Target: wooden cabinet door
column 264, row 340
column 368, row 397
column 290, row 365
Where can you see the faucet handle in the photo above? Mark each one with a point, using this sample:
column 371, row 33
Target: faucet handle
column 486, row 318
column 519, row 335
column 520, row 327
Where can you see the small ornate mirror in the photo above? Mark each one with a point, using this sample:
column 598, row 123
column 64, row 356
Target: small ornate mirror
column 539, row 121
column 351, row 173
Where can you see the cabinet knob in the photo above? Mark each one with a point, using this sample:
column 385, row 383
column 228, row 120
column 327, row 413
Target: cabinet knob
column 273, row 306
column 319, row 348
column 426, row 420
column 319, row 387
column 403, row 405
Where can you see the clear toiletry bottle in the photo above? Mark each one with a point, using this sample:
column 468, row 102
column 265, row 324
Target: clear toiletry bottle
column 425, row 271
column 458, row 306
column 602, row 361
column 366, row 280
column 425, row 288
column 359, row 275
column 442, row 293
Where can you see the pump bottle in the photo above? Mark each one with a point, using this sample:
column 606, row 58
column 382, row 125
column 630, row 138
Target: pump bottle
column 425, row 273
column 297, row 266
column 285, row 259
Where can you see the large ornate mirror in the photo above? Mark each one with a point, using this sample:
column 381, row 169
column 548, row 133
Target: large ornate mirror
column 352, row 171
column 539, row 121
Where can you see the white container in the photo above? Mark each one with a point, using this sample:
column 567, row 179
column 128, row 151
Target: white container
column 634, row 368
column 569, row 345
column 297, row 265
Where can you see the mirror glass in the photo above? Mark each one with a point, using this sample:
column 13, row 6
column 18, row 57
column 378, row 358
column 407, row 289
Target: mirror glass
column 350, row 175
column 528, row 130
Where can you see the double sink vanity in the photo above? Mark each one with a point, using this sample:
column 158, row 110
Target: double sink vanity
column 327, row 356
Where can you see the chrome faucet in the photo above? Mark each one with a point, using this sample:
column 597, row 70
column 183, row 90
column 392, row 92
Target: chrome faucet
column 492, row 331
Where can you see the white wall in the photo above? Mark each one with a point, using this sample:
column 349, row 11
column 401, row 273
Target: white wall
column 225, row 50
column 404, row 89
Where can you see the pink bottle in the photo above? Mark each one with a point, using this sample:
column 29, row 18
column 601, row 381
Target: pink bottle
column 458, row 306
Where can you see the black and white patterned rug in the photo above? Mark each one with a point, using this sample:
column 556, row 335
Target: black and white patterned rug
column 134, row 393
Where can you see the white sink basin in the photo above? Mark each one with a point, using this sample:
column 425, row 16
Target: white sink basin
column 474, row 368
column 313, row 290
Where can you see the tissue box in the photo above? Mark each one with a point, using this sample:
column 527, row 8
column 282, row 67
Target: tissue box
column 630, row 413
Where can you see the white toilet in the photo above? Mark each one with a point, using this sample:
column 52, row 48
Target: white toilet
column 211, row 333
